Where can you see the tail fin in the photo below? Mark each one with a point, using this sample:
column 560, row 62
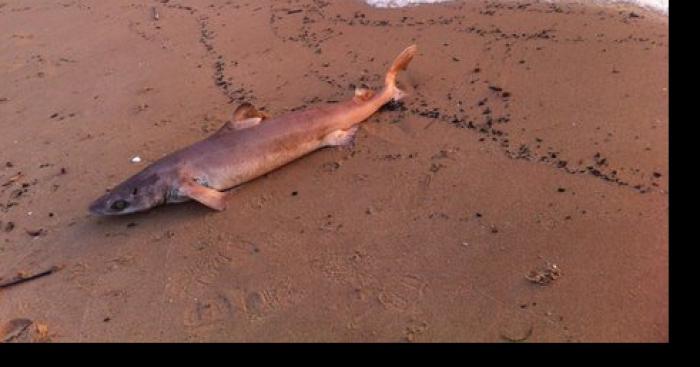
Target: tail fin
column 400, row 63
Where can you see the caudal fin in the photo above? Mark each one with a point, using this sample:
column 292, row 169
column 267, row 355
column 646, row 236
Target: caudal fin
column 400, row 63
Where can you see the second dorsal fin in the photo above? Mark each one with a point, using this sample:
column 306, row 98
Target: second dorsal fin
column 363, row 94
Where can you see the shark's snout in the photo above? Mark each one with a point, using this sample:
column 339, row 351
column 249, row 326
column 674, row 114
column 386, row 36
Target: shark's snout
column 137, row 194
column 97, row 207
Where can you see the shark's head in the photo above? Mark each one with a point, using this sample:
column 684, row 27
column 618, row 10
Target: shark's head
column 139, row 193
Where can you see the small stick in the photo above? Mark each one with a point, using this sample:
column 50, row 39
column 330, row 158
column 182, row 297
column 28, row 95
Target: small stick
column 21, row 278
column 13, row 329
column 156, row 16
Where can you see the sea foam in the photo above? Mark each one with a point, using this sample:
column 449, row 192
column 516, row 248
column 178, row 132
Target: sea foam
column 658, row 5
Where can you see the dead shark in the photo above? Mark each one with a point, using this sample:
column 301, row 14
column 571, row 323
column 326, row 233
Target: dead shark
column 249, row 146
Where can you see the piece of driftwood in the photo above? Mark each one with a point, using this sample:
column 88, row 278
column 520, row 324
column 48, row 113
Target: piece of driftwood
column 21, row 278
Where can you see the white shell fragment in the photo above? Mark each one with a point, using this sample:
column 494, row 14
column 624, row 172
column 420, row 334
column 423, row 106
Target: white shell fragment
column 136, row 159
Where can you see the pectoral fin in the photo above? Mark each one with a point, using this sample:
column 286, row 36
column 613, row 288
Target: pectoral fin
column 340, row 137
column 213, row 199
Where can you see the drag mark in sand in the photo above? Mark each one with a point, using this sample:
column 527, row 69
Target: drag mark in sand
column 598, row 166
column 308, row 15
column 225, row 86
column 219, row 76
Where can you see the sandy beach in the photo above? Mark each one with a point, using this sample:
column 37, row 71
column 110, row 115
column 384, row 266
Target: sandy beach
column 519, row 193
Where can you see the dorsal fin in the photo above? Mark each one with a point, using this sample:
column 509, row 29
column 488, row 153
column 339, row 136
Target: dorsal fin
column 363, row 94
column 240, row 124
column 246, row 111
column 245, row 116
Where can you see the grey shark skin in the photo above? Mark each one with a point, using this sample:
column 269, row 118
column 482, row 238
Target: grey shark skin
column 249, row 146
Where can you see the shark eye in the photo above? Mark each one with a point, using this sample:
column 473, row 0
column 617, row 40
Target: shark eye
column 119, row 205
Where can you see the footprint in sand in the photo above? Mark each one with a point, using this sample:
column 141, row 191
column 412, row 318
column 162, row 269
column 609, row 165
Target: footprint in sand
column 403, row 294
column 210, row 311
column 206, row 269
column 254, row 304
column 263, row 303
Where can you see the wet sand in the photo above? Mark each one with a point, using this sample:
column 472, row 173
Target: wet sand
column 535, row 134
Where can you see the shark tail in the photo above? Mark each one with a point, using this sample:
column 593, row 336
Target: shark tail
column 400, row 63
